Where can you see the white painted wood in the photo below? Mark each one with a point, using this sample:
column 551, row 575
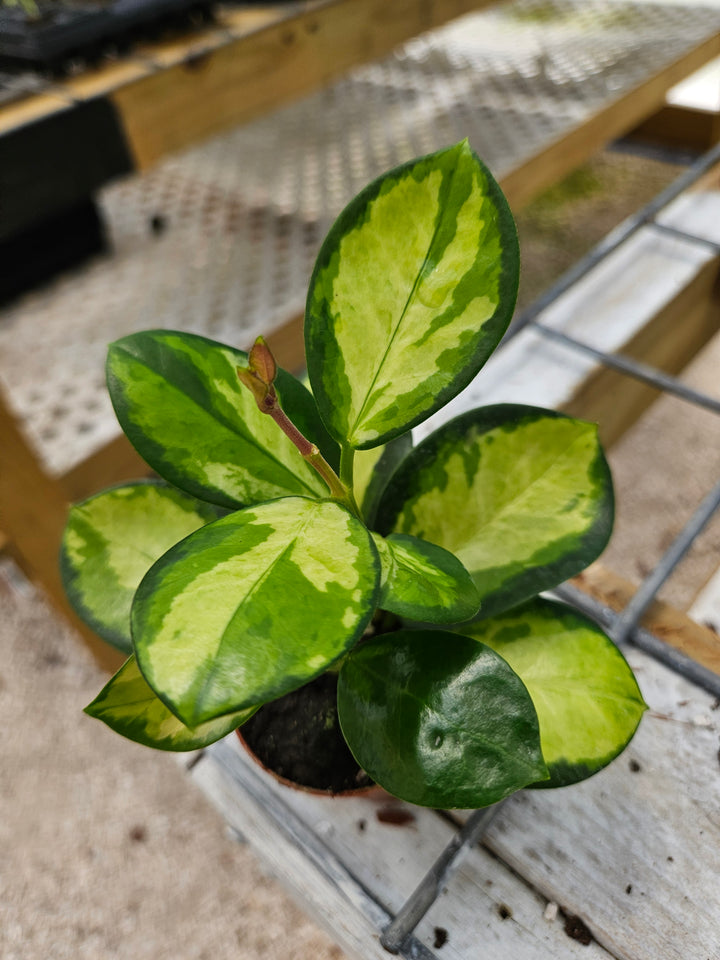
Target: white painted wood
column 656, row 831
column 351, row 871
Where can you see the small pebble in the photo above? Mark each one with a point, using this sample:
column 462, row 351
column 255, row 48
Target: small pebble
column 551, row 911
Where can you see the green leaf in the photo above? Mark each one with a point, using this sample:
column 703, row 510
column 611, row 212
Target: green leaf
column 437, row 721
column 253, row 606
column 522, row 496
column 412, row 290
column 587, row 699
column 373, row 469
column 130, row 707
column 423, row 582
column 110, row 542
column 178, row 399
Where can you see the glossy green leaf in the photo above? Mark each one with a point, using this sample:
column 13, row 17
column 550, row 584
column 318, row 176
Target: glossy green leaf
column 438, row 721
column 373, row 469
column 253, row 606
column 423, row 582
column 178, row 399
column 522, row 496
column 130, row 707
column 412, row 290
column 110, row 542
column 587, row 699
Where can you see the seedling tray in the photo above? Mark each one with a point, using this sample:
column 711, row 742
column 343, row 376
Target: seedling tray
column 64, row 32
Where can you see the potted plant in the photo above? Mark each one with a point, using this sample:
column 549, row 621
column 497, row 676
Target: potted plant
column 300, row 535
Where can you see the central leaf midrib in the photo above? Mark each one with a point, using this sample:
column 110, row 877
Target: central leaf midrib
column 399, row 323
column 222, row 421
column 253, row 589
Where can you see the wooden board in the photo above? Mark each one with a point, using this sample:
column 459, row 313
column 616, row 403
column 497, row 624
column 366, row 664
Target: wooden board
column 267, row 67
column 616, row 119
column 33, row 511
column 634, row 854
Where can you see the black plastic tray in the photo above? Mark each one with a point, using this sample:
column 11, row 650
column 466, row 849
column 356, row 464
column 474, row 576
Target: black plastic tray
column 64, row 32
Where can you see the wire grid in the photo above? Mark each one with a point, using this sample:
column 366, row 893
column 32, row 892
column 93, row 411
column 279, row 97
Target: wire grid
column 623, row 627
column 245, row 214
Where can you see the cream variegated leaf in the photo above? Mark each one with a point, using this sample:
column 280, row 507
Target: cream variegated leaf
column 110, row 542
column 178, row 398
column 423, row 582
column 587, row 700
column 253, row 606
column 522, row 496
column 412, row 290
column 129, row 706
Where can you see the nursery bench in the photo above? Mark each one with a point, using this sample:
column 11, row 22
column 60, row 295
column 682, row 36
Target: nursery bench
column 622, row 865
column 63, row 140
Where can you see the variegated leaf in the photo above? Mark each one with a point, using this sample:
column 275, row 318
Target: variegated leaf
column 587, row 699
column 522, row 496
column 373, row 469
column 253, row 606
column 130, row 707
column 423, row 582
column 178, row 399
column 412, row 290
column 110, row 542
column 437, row 720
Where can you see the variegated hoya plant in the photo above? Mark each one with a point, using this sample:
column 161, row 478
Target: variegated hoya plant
column 295, row 533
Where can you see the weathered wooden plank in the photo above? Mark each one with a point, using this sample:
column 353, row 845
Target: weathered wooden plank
column 30, row 109
column 679, row 126
column 635, row 854
column 706, row 608
column 309, row 840
column 633, row 851
column 688, row 635
column 32, row 516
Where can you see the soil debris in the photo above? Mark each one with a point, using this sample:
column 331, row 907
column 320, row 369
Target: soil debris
column 397, row 816
column 576, row 929
column 441, row 936
column 634, row 766
column 504, row 911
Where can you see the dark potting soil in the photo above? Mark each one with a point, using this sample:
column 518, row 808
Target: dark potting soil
column 298, row 737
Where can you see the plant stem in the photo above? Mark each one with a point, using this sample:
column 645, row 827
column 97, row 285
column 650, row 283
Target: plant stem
column 347, row 457
column 308, row 451
column 259, row 377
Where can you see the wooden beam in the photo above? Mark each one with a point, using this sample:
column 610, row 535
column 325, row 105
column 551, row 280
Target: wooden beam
column 33, row 511
column 678, row 126
column 115, row 462
column 665, row 621
column 548, row 166
column 267, row 68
